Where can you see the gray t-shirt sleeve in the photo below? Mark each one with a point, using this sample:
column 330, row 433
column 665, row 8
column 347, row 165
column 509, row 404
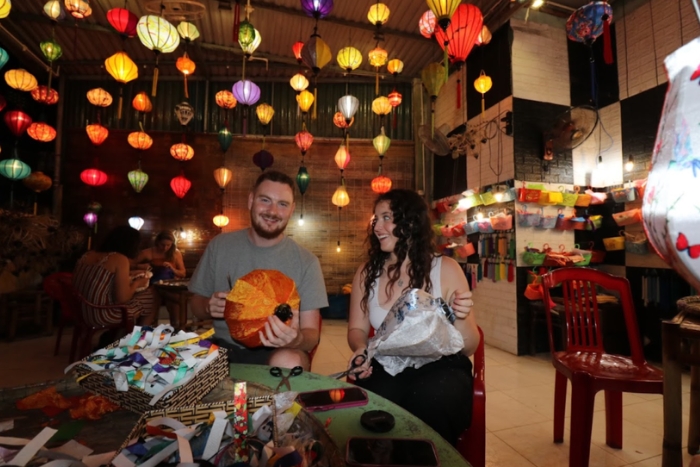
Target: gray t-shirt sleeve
column 312, row 289
column 203, row 278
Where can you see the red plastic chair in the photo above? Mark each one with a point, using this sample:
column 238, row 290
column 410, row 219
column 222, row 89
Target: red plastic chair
column 585, row 362
column 471, row 444
column 58, row 287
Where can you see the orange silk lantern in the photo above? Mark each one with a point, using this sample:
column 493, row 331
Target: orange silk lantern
column 44, row 95
column 41, row 132
column 186, row 66
column 339, row 121
column 97, row 133
column 381, row 184
column 182, row 152
column 254, row 298
column 140, row 140
column 21, row 80
column 225, row 100
column 99, row 97
column 142, row 103
column 337, row 395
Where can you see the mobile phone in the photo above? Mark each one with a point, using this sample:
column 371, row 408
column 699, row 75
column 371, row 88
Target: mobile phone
column 394, row 452
column 328, row 399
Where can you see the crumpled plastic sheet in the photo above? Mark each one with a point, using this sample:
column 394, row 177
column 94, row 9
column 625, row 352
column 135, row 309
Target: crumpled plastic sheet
column 415, row 332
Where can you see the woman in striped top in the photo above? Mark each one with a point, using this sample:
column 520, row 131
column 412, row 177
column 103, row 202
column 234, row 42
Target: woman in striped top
column 102, row 278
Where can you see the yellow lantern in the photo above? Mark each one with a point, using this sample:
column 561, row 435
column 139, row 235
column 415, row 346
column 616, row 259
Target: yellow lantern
column 443, row 11
column 5, row 7
column 433, row 77
column 381, row 106
column 299, row 82
column 483, row 84
column 305, row 100
column 188, row 31
column 265, row 113
column 157, row 34
column 349, row 58
column 250, row 47
column 377, row 58
column 20, row 79
column 395, row 66
column 484, row 36
column 342, row 157
column 222, row 175
column 378, row 14
column 99, row 97
column 340, row 197
column 122, row 69
column 221, row 221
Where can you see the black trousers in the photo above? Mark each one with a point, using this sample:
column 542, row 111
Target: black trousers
column 439, row 393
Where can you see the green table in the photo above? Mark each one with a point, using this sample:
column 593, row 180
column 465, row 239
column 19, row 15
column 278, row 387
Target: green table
column 346, row 422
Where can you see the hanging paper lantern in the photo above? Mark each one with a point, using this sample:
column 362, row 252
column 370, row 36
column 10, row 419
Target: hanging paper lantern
column 395, row 98
column 4, row 57
column 426, row 24
column 187, row 31
column 142, row 103
column 79, row 9
column 342, row 157
column 95, row 207
column 225, row 99
column 484, row 36
column 44, row 95
column 249, row 49
column 246, row 92
column 180, row 186
column 296, row 48
column 184, row 112
column 220, row 220
column 51, row 50
column 339, row 120
column 37, row 181
column 17, row 121
column 316, row 54
column 349, row 58
column 41, row 132
column 140, row 140
column 123, row 21
column 97, row 133
column 136, row 222
column 587, row 23
column 303, row 179
column 157, row 34
column 265, row 113
column 182, row 152
column 443, row 10
column 381, row 184
column 93, row 177
column 395, row 66
column 381, row 143
column 90, row 218
column 462, row 33
column 123, row 70
column 483, row 84
column 305, row 99
column 99, row 97
column 246, row 33
column 378, row 57
column 20, row 79
column 348, row 105
column 299, row 82
column 185, row 66
column 53, row 10
column 304, row 140
column 433, row 77
column 14, row 169
column 5, row 7
column 138, row 179
column 378, row 14
column 381, row 106
column 222, row 175
column 317, row 8
column 225, row 138
column 263, row 159
column 340, row 197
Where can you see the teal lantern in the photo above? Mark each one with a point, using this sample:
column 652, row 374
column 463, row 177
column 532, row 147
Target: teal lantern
column 14, row 169
column 225, row 138
column 4, row 57
column 303, row 180
column 138, row 179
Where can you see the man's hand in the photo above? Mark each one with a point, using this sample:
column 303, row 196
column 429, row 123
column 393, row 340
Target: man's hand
column 217, row 304
column 277, row 334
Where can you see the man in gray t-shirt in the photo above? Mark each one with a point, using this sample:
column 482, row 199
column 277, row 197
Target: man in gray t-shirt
column 264, row 245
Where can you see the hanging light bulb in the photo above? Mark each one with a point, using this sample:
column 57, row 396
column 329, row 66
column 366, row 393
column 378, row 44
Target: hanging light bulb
column 629, row 165
column 479, row 216
column 601, row 165
column 498, row 193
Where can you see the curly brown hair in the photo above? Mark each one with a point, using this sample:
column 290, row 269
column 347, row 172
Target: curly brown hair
column 415, row 240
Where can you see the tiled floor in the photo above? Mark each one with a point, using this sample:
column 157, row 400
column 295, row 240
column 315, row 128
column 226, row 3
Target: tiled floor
column 519, row 395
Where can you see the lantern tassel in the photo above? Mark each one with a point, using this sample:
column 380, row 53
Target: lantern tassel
column 187, row 93
column 154, row 87
column 607, row 43
column 376, row 83
column 447, row 63
column 89, row 242
column 121, row 102
column 245, row 125
column 394, row 122
column 236, row 21
column 483, row 107
column 313, row 112
column 48, row 92
column 459, row 94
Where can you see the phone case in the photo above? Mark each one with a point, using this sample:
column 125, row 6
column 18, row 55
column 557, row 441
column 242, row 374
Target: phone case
column 336, row 405
column 359, row 464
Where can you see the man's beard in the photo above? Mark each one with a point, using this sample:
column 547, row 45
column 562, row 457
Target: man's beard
column 262, row 232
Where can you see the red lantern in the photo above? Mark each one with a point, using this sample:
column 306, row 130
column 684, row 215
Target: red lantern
column 97, row 133
column 339, row 121
column 17, row 121
column 462, row 33
column 123, row 21
column 304, row 140
column 93, row 177
column 44, row 95
column 180, row 186
column 296, row 48
column 381, row 184
column 395, row 98
column 41, row 132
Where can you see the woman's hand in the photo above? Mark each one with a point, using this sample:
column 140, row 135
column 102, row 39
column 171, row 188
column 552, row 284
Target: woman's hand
column 462, row 303
column 168, row 265
column 360, row 372
column 141, row 282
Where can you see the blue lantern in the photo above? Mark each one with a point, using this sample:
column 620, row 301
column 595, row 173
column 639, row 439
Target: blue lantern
column 225, row 138
column 4, row 57
column 14, row 169
column 303, row 179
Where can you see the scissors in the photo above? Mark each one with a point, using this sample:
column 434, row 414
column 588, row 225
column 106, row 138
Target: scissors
column 354, row 365
column 277, row 371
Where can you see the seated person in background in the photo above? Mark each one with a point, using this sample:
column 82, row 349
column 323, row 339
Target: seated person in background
column 264, row 245
column 165, row 261
column 102, row 277
column 401, row 257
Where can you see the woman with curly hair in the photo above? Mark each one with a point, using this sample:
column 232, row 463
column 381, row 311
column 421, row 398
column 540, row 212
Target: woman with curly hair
column 402, row 256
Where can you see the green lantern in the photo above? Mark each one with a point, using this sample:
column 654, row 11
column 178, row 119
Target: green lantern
column 14, row 169
column 138, row 179
column 225, row 138
column 51, row 50
column 246, row 34
column 303, row 180
column 381, row 143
